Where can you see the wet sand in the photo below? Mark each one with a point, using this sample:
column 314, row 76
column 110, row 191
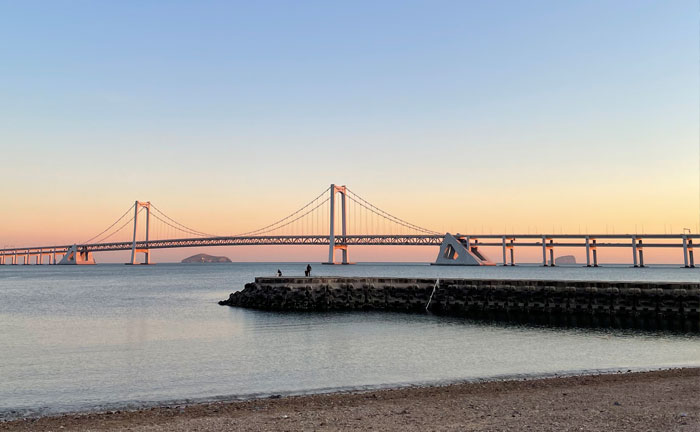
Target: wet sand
column 646, row 401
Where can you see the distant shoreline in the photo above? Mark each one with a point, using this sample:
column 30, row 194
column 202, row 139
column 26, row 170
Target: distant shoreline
column 655, row 400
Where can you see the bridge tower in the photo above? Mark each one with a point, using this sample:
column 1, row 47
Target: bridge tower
column 147, row 254
column 335, row 243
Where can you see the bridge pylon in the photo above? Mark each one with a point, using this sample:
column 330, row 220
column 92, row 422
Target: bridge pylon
column 147, row 253
column 338, row 243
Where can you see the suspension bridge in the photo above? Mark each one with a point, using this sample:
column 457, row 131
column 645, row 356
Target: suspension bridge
column 323, row 221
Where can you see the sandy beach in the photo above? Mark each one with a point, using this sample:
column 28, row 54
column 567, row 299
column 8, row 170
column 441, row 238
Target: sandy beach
column 643, row 401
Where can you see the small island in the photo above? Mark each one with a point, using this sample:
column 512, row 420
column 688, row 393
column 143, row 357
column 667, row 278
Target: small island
column 204, row 258
column 565, row 260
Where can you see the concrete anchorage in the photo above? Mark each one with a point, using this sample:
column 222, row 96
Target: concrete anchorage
column 459, row 250
column 76, row 256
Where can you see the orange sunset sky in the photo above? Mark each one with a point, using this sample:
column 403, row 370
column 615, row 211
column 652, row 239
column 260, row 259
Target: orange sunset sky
column 573, row 117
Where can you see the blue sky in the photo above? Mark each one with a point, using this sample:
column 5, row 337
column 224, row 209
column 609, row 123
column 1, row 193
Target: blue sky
column 440, row 105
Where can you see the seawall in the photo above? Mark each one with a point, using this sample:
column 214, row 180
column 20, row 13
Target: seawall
column 649, row 305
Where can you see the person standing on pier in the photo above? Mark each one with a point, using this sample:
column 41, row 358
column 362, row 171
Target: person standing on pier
column 308, row 270
column 279, row 273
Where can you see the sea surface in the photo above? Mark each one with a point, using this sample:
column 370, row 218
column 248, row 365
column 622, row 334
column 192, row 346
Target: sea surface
column 76, row 338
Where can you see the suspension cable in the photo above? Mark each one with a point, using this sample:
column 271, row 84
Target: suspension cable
column 293, row 220
column 177, row 228
column 369, row 206
column 269, row 228
column 110, row 227
column 120, row 228
column 191, row 231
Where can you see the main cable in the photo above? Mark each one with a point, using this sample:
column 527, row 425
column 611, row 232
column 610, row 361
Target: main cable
column 269, row 228
column 110, row 227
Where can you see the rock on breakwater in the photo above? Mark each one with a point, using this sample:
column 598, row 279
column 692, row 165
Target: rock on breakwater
column 651, row 305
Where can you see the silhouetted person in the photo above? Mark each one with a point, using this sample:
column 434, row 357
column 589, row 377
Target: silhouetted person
column 279, row 273
column 308, row 270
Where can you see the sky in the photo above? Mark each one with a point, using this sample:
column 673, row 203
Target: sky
column 459, row 116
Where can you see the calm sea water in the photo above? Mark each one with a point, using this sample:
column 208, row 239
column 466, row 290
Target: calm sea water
column 108, row 336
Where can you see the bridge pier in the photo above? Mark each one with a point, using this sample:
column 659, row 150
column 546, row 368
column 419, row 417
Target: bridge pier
column 144, row 250
column 594, row 248
column 551, row 253
column 503, row 240
column 690, row 253
column 512, row 253
column 333, row 244
column 544, row 251
column 508, row 249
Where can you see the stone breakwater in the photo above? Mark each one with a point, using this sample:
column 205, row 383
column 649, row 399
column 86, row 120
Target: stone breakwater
column 650, row 305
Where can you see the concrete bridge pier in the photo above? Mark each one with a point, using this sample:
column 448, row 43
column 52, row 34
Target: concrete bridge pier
column 134, row 250
column 544, row 251
column 551, row 252
column 594, row 249
column 688, row 261
column 588, row 251
column 512, row 252
column 690, row 253
column 508, row 250
column 335, row 245
column 503, row 240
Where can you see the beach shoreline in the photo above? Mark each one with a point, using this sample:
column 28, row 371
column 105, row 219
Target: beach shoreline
column 655, row 400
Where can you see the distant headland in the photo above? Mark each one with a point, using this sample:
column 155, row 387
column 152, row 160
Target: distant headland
column 204, row 258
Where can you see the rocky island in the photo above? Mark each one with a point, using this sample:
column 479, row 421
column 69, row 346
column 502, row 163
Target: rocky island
column 204, row 258
column 565, row 260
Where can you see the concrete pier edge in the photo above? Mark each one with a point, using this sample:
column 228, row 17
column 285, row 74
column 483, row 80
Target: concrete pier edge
column 571, row 303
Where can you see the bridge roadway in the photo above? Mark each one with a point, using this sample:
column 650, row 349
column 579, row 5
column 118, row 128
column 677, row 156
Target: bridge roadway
column 321, row 240
column 386, row 240
column 532, row 240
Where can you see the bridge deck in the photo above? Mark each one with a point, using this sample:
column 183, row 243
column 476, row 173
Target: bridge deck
column 520, row 240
